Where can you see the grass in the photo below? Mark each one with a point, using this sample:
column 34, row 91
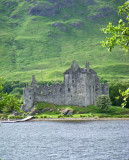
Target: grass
column 31, row 45
column 54, row 111
column 47, row 110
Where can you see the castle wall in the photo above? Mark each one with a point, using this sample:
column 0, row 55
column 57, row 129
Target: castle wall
column 90, row 89
column 52, row 94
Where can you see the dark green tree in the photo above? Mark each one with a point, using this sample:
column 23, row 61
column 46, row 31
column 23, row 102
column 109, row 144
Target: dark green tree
column 8, row 102
column 103, row 102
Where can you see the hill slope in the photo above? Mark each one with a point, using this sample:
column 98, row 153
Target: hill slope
column 42, row 37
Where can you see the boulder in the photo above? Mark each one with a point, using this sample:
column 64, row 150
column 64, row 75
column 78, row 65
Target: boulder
column 49, row 10
column 77, row 24
column 90, row 2
column 34, row 111
column 70, row 112
column 43, row 10
column 102, row 13
column 60, row 26
column 67, row 111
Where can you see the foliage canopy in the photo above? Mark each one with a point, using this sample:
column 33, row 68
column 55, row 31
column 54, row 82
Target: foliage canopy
column 120, row 33
column 125, row 94
column 8, row 102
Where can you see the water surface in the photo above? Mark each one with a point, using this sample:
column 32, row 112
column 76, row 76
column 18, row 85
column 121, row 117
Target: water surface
column 89, row 140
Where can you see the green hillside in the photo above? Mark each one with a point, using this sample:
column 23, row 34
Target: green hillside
column 43, row 37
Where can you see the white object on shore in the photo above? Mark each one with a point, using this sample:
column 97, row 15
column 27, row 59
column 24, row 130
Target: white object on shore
column 22, row 120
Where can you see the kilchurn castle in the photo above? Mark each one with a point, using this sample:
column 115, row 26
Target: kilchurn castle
column 81, row 87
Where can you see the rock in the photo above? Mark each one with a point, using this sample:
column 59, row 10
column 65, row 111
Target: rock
column 81, row 112
column 34, row 19
column 10, row 3
column 15, row 113
column 14, row 16
column 13, row 24
column 66, row 16
column 60, row 26
column 51, row 110
column 57, row 24
column 90, row 2
column 46, row 9
column 51, row 36
column 77, row 24
column 64, row 112
column 44, row 110
column 81, row 13
column 70, row 112
column 102, row 13
column 43, row 10
column 106, row 11
column 63, row 28
column 67, row 111
column 61, row 4
column 34, row 111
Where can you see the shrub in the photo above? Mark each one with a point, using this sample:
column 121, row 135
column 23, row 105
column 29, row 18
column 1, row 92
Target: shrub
column 35, row 117
column 60, row 116
column 103, row 102
column 19, row 117
column 114, row 93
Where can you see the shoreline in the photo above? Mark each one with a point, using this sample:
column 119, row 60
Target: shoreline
column 78, row 119
column 66, row 119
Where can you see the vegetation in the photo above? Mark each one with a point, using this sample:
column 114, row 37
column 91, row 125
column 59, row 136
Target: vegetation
column 8, row 103
column 31, row 44
column 115, row 90
column 119, row 34
column 125, row 94
column 46, row 110
column 103, row 102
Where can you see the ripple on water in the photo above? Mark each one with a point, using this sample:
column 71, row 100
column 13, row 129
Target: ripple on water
column 95, row 140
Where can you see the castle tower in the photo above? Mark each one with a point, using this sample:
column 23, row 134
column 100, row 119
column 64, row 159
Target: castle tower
column 28, row 97
column 74, row 66
column 87, row 66
column 33, row 83
column 74, row 82
column 27, row 85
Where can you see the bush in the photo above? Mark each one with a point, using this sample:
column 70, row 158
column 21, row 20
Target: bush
column 114, row 92
column 35, row 117
column 9, row 103
column 103, row 102
column 60, row 116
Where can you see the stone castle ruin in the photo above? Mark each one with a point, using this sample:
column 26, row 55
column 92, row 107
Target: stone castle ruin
column 81, row 87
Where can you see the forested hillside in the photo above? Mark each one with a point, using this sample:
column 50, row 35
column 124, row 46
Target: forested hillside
column 43, row 37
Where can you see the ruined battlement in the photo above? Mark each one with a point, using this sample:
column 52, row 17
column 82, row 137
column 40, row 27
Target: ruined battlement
column 81, row 87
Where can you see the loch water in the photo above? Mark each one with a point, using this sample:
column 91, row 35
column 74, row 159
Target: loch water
column 81, row 140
